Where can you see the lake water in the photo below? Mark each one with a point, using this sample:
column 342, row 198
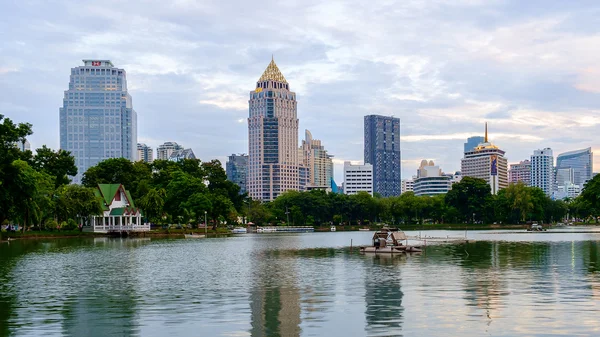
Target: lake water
column 505, row 284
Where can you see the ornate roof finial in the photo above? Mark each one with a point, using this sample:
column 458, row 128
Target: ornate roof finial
column 486, row 136
column 272, row 73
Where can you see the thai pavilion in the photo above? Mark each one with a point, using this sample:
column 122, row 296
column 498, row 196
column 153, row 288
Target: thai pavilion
column 118, row 211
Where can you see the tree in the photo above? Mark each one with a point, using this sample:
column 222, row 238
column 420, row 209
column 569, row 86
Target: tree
column 591, row 192
column 120, row 171
column 59, row 164
column 153, row 203
column 10, row 134
column 77, row 202
column 471, row 197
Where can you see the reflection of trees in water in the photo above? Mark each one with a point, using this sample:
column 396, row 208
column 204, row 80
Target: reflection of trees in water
column 383, row 294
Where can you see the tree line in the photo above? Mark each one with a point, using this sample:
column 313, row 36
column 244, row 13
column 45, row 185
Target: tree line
column 34, row 188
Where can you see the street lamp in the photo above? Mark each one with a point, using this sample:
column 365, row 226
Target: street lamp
column 205, row 225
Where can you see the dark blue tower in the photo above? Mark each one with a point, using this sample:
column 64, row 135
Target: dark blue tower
column 382, row 150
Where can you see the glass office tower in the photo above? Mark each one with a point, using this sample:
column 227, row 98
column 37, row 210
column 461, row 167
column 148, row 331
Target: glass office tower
column 97, row 120
column 581, row 161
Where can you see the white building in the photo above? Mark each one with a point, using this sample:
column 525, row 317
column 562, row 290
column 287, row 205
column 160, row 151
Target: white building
column 569, row 190
column 486, row 162
column 408, row 185
column 145, row 153
column 358, row 178
column 24, row 145
column 317, row 161
column 542, row 170
column 119, row 212
column 430, row 180
column 165, row 150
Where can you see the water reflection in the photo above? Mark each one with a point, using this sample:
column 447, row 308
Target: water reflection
column 292, row 286
column 383, row 294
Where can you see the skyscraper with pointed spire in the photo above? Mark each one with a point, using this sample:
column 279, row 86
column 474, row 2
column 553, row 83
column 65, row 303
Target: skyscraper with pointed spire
column 273, row 163
column 487, row 162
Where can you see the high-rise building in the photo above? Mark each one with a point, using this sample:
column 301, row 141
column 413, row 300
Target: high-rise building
column 236, row 168
column 273, row 165
column 486, row 162
column 317, row 161
column 145, row 153
column 179, row 155
column 408, row 185
column 581, row 161
column 472, row 143
column 382, row 150
column 164, row 151
column 520, row 172
column 430, row 180
column 97, row 120
column 542, row 170
column 564, row 176
column 358, row 178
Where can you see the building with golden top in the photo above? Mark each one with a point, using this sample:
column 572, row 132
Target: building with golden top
column 487, row 162
column 273, row 163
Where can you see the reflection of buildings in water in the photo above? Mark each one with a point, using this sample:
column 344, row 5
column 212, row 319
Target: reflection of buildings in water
column 104, row 303
column 383, row 294
column 274, row 302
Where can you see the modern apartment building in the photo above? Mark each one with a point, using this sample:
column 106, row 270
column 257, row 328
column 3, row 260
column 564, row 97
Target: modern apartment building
column 486, row 162
column 180, row 155
column 358, row 178
column 520, row 172
column 581, row 161
column 165, row 150
column 273, row 163
column 430, row 180
column 145, row 153
column 472, row 143
column 317, row 161
column 236, row 168
column 97, row 120
column 382, row 150
column 542, row 170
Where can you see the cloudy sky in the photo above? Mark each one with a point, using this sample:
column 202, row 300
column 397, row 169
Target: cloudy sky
column 529, row 68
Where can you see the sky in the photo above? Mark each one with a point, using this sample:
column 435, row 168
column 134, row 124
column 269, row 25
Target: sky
column 444, row 67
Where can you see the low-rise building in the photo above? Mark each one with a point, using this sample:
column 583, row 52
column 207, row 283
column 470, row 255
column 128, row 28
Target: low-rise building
column 520, row 172
column 119, row 212
column 430, row 180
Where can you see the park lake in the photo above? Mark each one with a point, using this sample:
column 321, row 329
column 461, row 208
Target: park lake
column 506, row 283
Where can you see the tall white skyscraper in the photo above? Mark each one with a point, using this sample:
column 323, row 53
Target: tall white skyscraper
column 542, row 170
column 97, row 120
column 273, row 163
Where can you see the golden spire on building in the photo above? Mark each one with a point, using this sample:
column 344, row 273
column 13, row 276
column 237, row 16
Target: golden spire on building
column 272, row 73
column 486, row 138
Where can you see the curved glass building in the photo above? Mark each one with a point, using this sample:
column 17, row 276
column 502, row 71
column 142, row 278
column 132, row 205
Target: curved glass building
column 580, row 161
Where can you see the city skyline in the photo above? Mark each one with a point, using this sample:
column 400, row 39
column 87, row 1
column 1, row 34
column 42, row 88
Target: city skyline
column 511, row 64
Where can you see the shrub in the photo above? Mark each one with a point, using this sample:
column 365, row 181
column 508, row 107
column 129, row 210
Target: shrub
column 50, row 224
column 70, row 225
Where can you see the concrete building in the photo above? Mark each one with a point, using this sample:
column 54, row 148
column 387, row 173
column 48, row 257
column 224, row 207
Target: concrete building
column 382, row 150
column 236, row 168
column 542, row 170
column 430, row 180
column 317, row 161
column 145, row 153
column 180, row 155
column 358, row 178
column 273, row 163
column 520, row 172
column 568, row 190
column 165, row 150
column 97, row 120
column 408, row 185
column 581, row 161
column 472, row 143
column 486, row 162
